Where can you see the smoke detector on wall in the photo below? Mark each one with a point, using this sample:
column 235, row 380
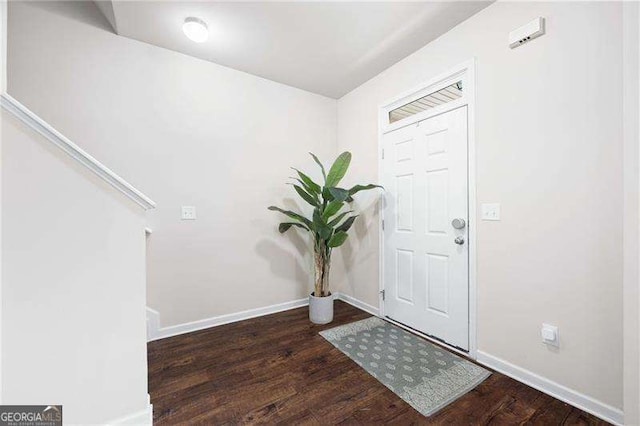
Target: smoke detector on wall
column 526, row 33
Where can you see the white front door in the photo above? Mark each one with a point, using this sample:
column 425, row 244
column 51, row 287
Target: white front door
column 426, row 254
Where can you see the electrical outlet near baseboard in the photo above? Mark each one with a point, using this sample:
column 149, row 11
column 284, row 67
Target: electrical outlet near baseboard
column 188, row 213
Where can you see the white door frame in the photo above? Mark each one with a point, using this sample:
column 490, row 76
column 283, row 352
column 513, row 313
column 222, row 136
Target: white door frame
column 466, row 73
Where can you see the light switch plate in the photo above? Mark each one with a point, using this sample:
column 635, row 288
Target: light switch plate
column 491, row 211
column 550, row 335
column 188, row 213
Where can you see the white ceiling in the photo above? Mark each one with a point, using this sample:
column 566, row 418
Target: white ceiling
column 326, row 48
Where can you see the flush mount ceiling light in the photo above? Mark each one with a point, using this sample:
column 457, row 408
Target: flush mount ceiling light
column 196, row 29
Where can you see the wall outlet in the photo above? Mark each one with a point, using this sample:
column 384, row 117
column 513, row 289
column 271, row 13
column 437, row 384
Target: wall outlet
column 550, row 335
column 188, row 213
column 490, row 211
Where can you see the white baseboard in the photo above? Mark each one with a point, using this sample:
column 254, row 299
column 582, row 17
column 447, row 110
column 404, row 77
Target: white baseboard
column 153, row 323
column 155, row 332
column 556, row 390
column 358, row 303
column 175, row 330
column 139, row 418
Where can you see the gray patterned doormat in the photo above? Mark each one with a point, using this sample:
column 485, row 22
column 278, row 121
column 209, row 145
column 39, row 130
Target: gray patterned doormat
column 423, row 374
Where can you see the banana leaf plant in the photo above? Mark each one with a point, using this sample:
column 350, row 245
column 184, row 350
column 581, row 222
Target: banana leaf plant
column 331, row 219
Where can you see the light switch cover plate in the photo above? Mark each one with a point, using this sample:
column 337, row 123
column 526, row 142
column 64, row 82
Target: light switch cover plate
column 491, row 211
column 188, row 213
column 550, row 335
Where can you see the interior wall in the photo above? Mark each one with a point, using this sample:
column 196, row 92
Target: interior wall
column 187, row 132
column 549, row 149
column 631, row 295
column 3, row 86
column 73, row 285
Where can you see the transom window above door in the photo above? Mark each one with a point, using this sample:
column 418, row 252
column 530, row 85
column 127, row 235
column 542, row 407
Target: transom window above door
column 432, row 100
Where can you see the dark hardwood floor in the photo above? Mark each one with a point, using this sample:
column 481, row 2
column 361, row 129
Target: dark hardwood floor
column 277, row 369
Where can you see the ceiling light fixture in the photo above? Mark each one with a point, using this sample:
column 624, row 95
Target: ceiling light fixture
column 196, row 29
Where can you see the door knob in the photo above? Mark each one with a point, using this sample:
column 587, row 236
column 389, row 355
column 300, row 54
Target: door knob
column 459, row 241
column 458, row 223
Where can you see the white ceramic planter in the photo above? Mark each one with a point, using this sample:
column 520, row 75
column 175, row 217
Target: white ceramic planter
column 321, row 309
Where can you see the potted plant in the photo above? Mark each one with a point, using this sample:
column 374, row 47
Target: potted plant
column 328, row 226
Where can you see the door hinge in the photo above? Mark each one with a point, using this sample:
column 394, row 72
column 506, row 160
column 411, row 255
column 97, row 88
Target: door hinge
column 383, row 153
column 382, row 293
column 383, row 224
